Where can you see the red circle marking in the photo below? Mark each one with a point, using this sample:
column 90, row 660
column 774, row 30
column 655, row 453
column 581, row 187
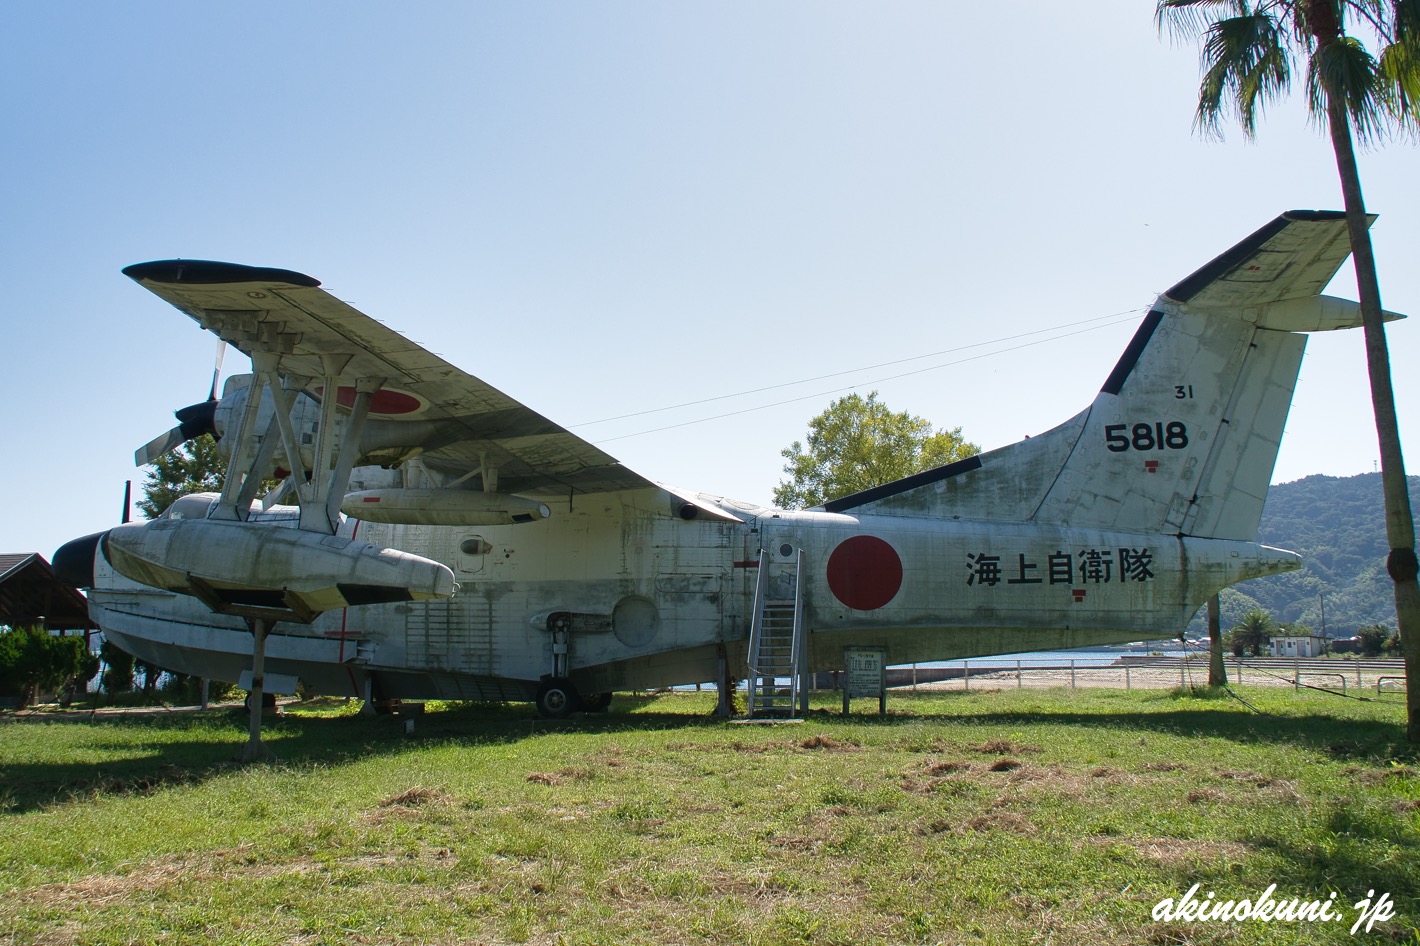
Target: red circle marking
column 864, row 572
column 386, row 401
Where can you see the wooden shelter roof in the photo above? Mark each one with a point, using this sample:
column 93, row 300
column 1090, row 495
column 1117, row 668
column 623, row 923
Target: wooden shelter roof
column 30, row 594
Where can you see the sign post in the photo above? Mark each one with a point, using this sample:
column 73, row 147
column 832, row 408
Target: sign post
column 865, row 674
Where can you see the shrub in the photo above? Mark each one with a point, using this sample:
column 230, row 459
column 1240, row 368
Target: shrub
column 33, row 660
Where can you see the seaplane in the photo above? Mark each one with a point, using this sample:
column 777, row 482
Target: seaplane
column 432, row 538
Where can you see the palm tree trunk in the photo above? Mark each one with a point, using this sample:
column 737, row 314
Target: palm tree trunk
column 1401, row 564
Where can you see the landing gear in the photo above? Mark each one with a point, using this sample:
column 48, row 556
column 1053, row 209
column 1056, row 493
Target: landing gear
column 557, row 698
column 596, row 703
column 268, row 702
column 256, row 750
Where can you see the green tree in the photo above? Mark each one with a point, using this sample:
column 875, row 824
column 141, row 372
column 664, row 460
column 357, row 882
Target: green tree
column 1393, row 647
column 1252, row 633
column 88, row 669
column 858, row 443
column 1373, row 639
column 33, row 660
column 151, row 674
column 193, row 467
column 118, row 678
column 1250, row 51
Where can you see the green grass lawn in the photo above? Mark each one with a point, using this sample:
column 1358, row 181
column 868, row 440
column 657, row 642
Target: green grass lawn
column 1045, row 816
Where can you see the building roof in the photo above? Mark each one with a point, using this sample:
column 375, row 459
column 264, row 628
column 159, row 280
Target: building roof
column 30, row 594
column 9, row 560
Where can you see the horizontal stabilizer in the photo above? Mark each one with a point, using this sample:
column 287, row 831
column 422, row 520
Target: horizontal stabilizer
column 1183, row 436
column 1292, row 257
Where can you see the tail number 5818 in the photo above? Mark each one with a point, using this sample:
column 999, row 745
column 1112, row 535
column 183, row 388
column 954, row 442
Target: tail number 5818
column 1160, row 435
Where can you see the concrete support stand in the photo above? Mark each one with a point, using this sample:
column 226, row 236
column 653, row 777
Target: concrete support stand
column 1217, row 671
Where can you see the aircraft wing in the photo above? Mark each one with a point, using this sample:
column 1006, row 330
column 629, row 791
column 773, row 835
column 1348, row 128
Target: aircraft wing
column 456, row 422
column 1293, row 257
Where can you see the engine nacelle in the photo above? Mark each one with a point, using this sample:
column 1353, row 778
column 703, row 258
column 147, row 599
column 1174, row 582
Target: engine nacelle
column 442, row 507
column 266, row 570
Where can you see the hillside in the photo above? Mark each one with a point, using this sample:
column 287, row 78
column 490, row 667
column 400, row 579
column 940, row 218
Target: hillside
column 1337, row 525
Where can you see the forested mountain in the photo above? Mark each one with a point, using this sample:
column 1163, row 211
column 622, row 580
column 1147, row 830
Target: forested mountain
column 1337, row 525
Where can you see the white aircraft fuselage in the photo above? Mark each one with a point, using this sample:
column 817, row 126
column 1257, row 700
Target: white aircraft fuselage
column 658, row 599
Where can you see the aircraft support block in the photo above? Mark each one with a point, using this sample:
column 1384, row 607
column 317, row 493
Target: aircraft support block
column 256, row 750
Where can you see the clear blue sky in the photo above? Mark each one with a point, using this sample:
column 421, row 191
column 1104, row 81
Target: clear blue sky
column 608, row 207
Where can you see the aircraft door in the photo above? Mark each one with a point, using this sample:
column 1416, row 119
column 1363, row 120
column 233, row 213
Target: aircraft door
column 783, row 547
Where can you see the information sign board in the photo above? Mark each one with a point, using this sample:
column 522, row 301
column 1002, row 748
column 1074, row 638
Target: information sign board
column 865, row 674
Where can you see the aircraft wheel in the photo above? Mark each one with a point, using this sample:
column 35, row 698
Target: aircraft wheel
column 596, row 703
column 557, row 698
column 268, row 701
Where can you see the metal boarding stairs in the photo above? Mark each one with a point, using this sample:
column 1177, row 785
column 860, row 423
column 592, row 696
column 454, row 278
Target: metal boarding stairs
column 776, row 639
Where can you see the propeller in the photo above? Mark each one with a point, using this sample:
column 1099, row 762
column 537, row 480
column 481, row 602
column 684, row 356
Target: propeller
column 193, row 421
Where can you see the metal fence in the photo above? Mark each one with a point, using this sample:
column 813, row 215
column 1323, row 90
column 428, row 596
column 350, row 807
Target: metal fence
column 1130, row 671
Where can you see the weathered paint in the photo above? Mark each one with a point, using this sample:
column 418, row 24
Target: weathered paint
column 1113, row 526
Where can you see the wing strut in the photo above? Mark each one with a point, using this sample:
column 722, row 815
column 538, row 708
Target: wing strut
column 239, row 464
column 320, row 490
column 365, row 391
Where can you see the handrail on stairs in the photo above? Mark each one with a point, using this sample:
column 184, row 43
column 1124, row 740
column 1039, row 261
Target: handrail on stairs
column 756, row 626
column 796, row 649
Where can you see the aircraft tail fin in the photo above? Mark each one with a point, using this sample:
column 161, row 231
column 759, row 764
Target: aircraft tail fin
column 1183, row 436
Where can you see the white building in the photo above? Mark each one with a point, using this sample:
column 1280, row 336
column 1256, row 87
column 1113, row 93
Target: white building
column 1304, row 646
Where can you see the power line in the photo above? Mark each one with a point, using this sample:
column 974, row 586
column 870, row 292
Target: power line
column 835, row 374
column 851, row 387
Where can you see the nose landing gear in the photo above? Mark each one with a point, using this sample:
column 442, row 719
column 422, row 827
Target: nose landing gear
column 557, row 698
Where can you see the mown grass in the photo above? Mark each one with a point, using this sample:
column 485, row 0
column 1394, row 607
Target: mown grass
column 1050, row 816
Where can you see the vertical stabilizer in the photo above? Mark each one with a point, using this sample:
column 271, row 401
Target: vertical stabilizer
column 1183, row 436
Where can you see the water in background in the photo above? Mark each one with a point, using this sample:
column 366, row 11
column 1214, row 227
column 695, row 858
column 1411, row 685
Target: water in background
column 1083, row 656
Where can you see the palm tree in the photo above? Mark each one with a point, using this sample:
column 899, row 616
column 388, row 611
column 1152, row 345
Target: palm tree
column 1249, row 52
column 1253, row 633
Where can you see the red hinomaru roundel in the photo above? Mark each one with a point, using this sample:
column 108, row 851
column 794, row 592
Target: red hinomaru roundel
column 864, row 572
column 387, row 402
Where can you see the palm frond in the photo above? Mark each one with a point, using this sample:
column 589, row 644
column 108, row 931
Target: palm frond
column 1346, row 68
column 1294, row 14
column 1405, row 20
column 1269, row 78
column 1399, row 65
column 1245, row 62
column 1249, row 48
column 1375, row 13
column 1405, row 34
column 1186, row 19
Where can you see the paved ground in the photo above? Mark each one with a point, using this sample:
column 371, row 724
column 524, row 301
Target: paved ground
column 1150, row 678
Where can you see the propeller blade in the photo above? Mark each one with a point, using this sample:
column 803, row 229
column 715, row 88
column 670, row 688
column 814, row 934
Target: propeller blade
column 127, row 501
column 217, row 367
column 158, row 446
